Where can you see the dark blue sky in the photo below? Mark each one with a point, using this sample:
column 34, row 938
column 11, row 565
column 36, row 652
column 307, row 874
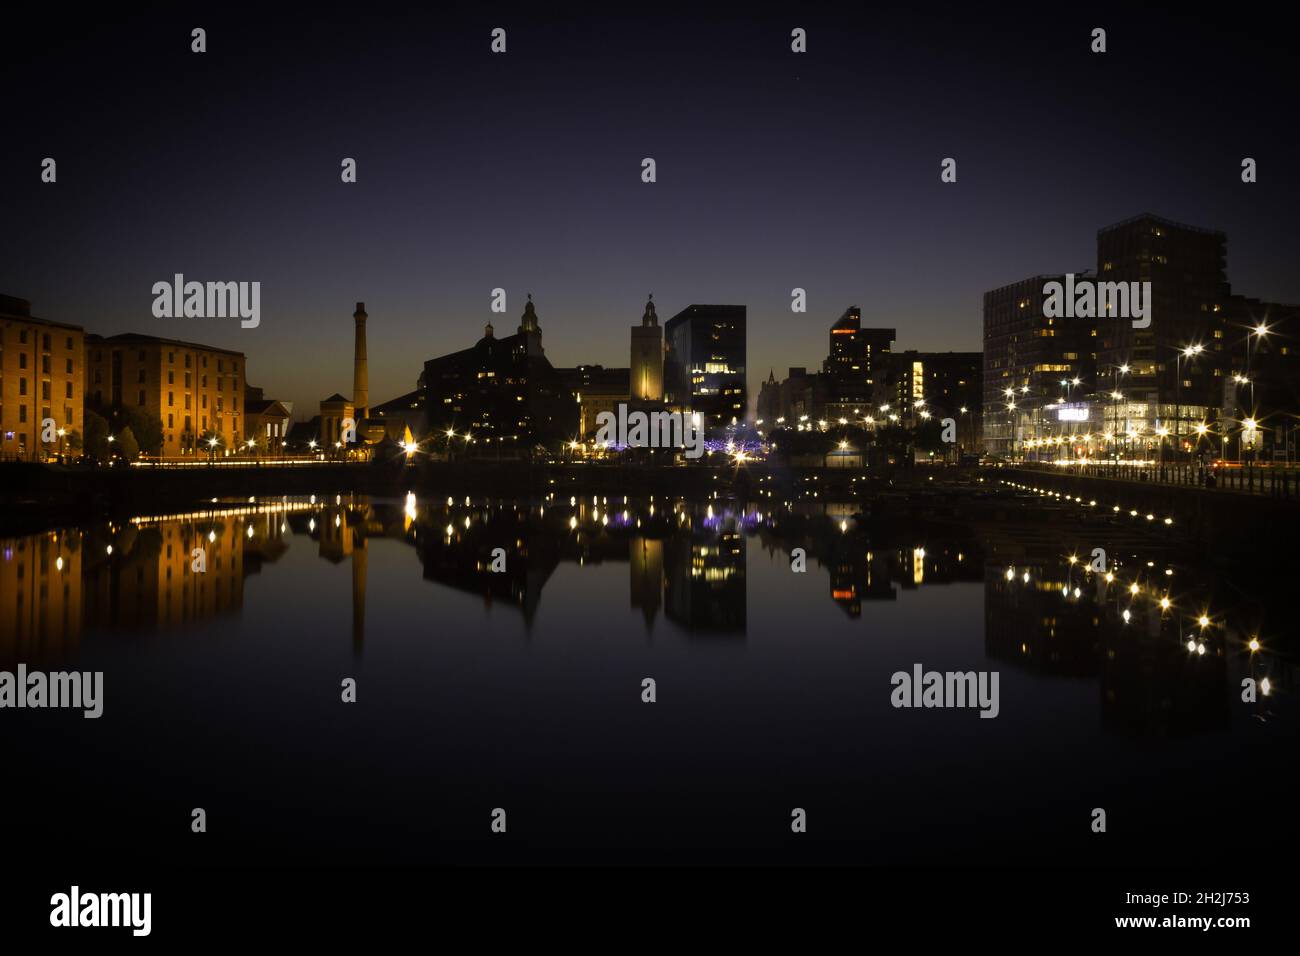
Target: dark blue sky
column 522, row 171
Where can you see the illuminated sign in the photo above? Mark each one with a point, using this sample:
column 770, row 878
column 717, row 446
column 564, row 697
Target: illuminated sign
column 1072, row 413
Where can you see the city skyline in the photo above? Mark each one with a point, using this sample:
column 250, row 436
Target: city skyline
column 470, row 179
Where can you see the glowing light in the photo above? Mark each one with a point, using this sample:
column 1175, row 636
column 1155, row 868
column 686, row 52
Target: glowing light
column 1203, row 621
column 1164, row 603
column 1254, row 644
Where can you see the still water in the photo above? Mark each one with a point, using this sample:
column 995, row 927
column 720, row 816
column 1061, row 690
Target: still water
column 522, row 689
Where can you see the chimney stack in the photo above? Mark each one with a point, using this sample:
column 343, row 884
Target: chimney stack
column 360, row 370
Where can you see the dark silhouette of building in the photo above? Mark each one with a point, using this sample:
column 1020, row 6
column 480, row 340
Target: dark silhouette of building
column 500, row 388
column 941, row 385
column 856, row 365
column 704, row 363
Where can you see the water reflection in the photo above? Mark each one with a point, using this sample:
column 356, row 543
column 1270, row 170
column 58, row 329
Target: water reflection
column 1135, row 630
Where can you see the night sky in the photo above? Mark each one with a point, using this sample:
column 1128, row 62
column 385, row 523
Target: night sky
column 522, row 170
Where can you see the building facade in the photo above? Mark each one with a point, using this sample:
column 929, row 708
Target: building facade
column 647, row 368
column 596, row 389
column 704, row 363
column 1171, row 373
column 195, row 391
column 42, row 375
column 1031, row 361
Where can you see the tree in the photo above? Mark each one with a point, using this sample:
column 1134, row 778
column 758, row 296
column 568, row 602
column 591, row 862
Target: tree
column 147, row 429
column 96, row 440
column 928, row 435
column 127, row 446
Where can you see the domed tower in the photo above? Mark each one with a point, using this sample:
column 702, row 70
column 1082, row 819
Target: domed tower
column 647, row 366
column 530, row 330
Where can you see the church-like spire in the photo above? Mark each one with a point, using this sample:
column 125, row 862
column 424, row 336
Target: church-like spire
column 650, row 318
column 487, row 331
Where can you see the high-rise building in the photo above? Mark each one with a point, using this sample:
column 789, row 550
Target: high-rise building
column 195, row 391
column 42, row 374
column 704, row 363
column 1176, row 367
column 857, row 361
column 647, row 368
column 1027, row 357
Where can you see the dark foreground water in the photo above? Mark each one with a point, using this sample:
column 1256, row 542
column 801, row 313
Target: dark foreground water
column 522, row 690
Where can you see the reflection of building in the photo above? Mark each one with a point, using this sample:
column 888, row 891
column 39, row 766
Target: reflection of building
column 646, row 576
column 704, row 362
column 150, row 580
column 705, row 581
column 194, row 390
column 500, row 388
column 40, row 597
column 41, row 377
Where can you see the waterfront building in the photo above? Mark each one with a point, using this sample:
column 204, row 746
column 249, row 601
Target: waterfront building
column 194, row 391
column 1027, row 357
column 500, row 388
column 267, row 421
column 704, row 363
column 1171, row 373
column 42, row 377
column 596, row 389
